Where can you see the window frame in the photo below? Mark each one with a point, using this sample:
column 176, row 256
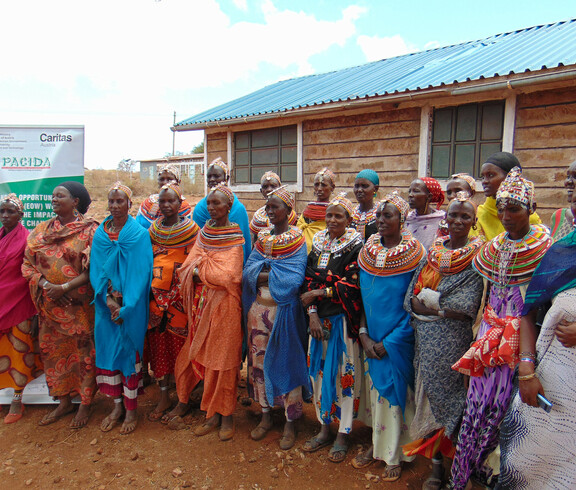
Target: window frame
column 292, row 187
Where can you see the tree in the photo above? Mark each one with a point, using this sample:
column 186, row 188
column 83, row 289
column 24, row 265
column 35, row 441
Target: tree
column 126, row 165
column 198, row 148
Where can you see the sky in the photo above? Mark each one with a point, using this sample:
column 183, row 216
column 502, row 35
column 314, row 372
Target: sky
column 122, row 68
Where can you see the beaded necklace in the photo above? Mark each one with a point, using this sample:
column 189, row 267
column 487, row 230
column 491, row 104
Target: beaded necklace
column 181, row 233
column 447, row 261
column 326, row 247
column 361, row 219
column 279, row 246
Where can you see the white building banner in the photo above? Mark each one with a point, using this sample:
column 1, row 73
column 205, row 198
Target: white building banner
column 34, row 160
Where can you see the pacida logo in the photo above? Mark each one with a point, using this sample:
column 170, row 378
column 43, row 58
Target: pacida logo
column 52, row 138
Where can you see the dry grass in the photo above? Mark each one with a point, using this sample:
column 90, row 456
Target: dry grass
column 99, row 181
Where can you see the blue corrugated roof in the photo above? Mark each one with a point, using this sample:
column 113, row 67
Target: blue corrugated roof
column 531, row 49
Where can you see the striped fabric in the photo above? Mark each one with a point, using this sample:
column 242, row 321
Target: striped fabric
column 220, row 237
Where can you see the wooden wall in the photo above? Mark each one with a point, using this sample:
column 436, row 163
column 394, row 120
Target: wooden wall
column 545, row 143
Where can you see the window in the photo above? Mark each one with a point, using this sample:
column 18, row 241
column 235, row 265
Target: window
column 464, row 136
column 258, row 151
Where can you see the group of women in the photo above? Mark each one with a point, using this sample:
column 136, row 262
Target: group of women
column 406, row 317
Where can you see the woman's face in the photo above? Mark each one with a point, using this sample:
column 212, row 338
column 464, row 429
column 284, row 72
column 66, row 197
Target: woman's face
column 388, row 221
column 492, row 176
column 323, row 188
column 515, row 219
column 218, row 205
column 169, row 203
column 573, row 205
column 460, row 217
column 276, row 210
column 268, row 186
column 10, row 215
column 337, row 220
column 570, row 182
column 63, row 204
column 455, row 186
column 215, row 176
column 118, row 203
column 165, row 177
column 418, row 195
column 364, row 190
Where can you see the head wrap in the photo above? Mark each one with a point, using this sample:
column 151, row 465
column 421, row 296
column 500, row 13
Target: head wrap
column 463, row 196
column 342, row 200
column 174, row 186
column 471, row 181
column 400, row 204
column 119, row 186
column 13, row 199
column 269, row 175
column 328, row 174
column 77, row 190
column 506, row 161
column 283, row 194
column 370, row 175
column 171, row 168
column 516, row 189
column 224, row 189
column 222, row 164
column 435, row 190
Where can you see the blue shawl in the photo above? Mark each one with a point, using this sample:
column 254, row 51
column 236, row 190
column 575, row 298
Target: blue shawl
column 387, row 321
column 285, row 359
column 237, row 215
column 127, row 264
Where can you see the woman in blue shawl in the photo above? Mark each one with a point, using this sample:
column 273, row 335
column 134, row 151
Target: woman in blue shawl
column 387, row 263
column 277, row 370
column 121, row 274
column 219, row 172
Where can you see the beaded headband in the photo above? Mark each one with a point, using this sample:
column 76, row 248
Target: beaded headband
column 222, row 164
column 224, row 189
column 13, row 198
column 342, row 200
column 119, row 186
column 400, row 204
column 463, row 196
column 471, row 181
column 515, row 189
column 173, row 185
column 326, row 173
column 283, row 194
column 269, row 175
column 173, row 169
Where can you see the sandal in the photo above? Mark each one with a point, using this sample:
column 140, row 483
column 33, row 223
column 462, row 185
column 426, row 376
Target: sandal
column 155, row 416
column 287, row 442
column 50, row 419
column 337, row 453
column 259, row 432
column 12, row 418
column 360, row 461
column 432, row 482
column 312, row 445
column 392, row 472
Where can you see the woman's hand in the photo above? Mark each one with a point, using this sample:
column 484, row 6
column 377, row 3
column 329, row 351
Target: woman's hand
column 310, row 297
column 316, row 327
column 53, row 291
column 114, row 308
column 368, row 346
column 566, row 333
column 529, row 390
column 379, row 349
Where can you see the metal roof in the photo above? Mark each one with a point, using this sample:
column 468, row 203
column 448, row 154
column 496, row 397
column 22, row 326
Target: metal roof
column 526, row 50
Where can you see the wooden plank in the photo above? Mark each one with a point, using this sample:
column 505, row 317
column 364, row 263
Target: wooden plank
column 385, row 131
column 379, row 164
column 345, row 121
column 545, row 137
column 547, row 97
column 547, row 158
column 401, row 146
column 548, row 115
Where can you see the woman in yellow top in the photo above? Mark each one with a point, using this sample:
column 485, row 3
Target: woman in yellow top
column 313, row 218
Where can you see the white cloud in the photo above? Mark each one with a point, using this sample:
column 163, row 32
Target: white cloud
column 107, row 61
column 241, row 4
column 378, row 48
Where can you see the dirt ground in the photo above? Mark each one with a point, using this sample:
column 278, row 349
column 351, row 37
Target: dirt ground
column 155, row 456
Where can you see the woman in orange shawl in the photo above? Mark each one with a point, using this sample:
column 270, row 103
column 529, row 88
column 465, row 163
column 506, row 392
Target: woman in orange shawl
column 211, row 292
column 56, row 267
column 172, row 236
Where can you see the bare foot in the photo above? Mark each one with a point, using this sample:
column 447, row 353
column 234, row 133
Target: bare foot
column 130, row 422
column 64, row 408
column 81, row 418
column 178, row 411
column 163, row 405
column 113, row 418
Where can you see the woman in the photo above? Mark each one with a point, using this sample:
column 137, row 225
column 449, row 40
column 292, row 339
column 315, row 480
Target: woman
column 365, row 188
column 277, row 370
column 120, row 273
column 507, row 262
column 332, row 299
column 457, row 183
column 493, row 173
column 211, row 291
column 443, row 299
column 150, row 208
column 172, row 236
column 56, row 267
column 313, row 218
column 219, row 173
column 20, row 358
column 538, row 445
column 562, row 222
column 260, row 220
column 387, row 263
column 423, row 220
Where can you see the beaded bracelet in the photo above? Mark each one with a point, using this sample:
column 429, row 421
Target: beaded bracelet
column 527, row 377
column 363, row 330
column 527, row 354
column 528, row 359
column 65, row 286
